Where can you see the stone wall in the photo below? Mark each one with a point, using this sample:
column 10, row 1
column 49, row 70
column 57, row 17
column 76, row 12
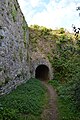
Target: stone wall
column 36, row 59
column 39, row 62
column 14, row 43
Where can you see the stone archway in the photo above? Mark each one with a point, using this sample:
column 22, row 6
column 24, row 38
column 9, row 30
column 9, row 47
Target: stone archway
column 41, row 69
column 42, row 72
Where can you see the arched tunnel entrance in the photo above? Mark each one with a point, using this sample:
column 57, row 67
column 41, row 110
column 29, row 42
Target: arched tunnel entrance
column 42, row 73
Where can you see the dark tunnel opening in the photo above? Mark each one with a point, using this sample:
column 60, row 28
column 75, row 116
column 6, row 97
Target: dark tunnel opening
column 42, row 73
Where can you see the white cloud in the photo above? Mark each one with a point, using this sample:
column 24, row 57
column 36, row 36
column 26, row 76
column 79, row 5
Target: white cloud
column 55, row 14
column 35, row 3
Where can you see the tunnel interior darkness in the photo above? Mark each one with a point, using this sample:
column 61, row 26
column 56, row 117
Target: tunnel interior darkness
column 42, row 73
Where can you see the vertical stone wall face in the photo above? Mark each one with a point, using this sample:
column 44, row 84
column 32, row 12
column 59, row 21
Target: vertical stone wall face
column 14, row 42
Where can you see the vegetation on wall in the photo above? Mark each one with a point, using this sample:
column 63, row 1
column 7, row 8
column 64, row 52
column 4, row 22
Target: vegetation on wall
column 63, row 51
column 24, row 27
column 64, row 55
column 66, row 64
column 1, row 37
column 20, row 54
column 14, row 12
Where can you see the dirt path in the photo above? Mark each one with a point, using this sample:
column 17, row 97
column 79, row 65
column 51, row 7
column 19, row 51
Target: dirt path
column 50, row 113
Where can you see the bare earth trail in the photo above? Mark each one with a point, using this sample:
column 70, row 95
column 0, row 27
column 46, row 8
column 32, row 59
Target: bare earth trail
column 50, row 113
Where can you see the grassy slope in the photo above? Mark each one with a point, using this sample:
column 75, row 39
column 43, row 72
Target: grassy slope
column 66, row 108
column 25, row 103
column 63, row 51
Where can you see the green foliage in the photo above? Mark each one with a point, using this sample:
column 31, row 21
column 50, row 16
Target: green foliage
column 76, row 95
column 64, row 55
column 63, row 38
column 8, row 114
column 78, row 42
column 44, row 31
column 61, row 31
column 34, row 26
column 27, row 101
column 66, row 65
column 66, row 106
column 14, row 12
column 34, row 41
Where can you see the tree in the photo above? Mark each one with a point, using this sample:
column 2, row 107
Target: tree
column 76, row 30
column 78, row 8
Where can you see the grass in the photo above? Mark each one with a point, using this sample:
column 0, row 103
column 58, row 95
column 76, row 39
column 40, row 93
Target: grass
column 25, row 103
column 66, row 107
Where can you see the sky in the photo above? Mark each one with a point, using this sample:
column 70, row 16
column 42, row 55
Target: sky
column 53, row 14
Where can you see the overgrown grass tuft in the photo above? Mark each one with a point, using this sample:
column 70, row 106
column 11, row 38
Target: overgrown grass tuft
column 25, row 103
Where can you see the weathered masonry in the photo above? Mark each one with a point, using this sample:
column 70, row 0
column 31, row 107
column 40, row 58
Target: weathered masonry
column 16, row 67
column 41, row 69
column 14, row 42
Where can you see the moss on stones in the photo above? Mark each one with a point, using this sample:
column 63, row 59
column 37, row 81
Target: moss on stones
column 14, row 13
column 1, row 37
column 7, row 79
column 24, row 27
column 21, row 54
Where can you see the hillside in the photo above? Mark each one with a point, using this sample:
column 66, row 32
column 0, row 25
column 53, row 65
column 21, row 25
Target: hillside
column 47, row 41
column 62, row 49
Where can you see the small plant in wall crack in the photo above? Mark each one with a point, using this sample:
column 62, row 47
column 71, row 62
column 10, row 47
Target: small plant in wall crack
column 14, row 13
